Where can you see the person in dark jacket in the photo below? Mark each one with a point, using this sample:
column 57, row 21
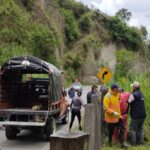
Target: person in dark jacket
column 138, row 114
column 76, row 105
column 93, row 91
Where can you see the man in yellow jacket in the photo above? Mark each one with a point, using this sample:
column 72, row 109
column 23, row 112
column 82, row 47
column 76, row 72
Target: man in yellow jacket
column 113, row 114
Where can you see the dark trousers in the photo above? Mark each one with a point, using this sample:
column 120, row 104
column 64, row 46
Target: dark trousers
column 137, row 131
column 111, row 128
column 74, row 113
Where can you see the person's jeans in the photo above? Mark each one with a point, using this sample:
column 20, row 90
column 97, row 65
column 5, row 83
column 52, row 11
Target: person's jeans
column 111, row 128
column 75, row 113
column 137, row 131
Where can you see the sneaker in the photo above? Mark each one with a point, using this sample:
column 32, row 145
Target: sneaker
column 133, row 144
column 124, row 146
column 139, row 144
column 80, row 128
column 110, row 144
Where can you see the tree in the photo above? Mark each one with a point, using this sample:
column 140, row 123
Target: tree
column 124, row 15
column 121, row 33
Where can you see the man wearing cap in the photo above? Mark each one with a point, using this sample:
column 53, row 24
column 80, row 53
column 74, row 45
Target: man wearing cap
column 138, row 114
column 113, row 114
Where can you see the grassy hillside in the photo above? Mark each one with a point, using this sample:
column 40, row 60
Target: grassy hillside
column 61, row 32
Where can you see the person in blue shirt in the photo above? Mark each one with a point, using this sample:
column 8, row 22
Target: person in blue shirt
column 71, row 92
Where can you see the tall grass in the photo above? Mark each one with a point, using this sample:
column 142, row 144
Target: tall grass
column 144, row 80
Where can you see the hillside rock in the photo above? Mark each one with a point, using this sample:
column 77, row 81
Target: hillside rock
column 108, row 55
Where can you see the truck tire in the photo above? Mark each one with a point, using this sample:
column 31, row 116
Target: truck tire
column 50, row 127
column 65, row 120
column 10, row 132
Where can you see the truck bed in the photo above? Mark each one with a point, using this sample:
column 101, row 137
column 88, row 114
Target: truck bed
column 25, row 117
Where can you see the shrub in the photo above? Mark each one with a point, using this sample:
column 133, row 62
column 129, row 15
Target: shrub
column 133, row 38
column 77, row 8
column 73, row 60
column 11, row 50
column 15, row 23
column 124, row 63
column 91, row 42
column 44, row 42
column 70, row 76
column 85, row 23
column 71, row 28
column 121, row 33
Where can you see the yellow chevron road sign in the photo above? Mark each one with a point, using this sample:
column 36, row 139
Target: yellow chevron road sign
column 104, row 75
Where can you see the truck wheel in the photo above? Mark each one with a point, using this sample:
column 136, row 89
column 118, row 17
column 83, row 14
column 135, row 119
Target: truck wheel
column 10, row 132
column 65, row 120
column 50, row 127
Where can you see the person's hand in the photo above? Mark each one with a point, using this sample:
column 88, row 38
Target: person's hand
column 115, row 113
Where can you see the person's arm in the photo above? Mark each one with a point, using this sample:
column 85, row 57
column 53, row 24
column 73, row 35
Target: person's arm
column 127, row 110
column 106, row 105
column 131, row 99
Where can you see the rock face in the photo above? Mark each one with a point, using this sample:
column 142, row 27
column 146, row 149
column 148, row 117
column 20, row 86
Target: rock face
column 108, row 55
column 91, row 66
column 48, row 12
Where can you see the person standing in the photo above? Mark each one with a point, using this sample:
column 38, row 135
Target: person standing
column 103, row 92
column 76, row 105
column 64, row 104
column 93, row 91
column 113, row 115
column 138, row 114
column 124, row 96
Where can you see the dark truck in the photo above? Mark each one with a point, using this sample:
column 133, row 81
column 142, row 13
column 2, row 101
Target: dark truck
column 30, row 96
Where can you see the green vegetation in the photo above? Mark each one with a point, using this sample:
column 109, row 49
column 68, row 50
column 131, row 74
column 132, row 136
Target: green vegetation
column 125, row 61
column 85, row 23
column 43, row 42
column 77, row 8
column 20, row 35
column 30, row 28
column 71, row 28
column 121, row 33
column 124, row 15
column 65, row 31
column 145, row 86
column 14, row 33
column 125, row 76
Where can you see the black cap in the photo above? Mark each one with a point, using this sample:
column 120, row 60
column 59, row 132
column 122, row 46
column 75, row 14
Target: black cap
column 114, row 86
